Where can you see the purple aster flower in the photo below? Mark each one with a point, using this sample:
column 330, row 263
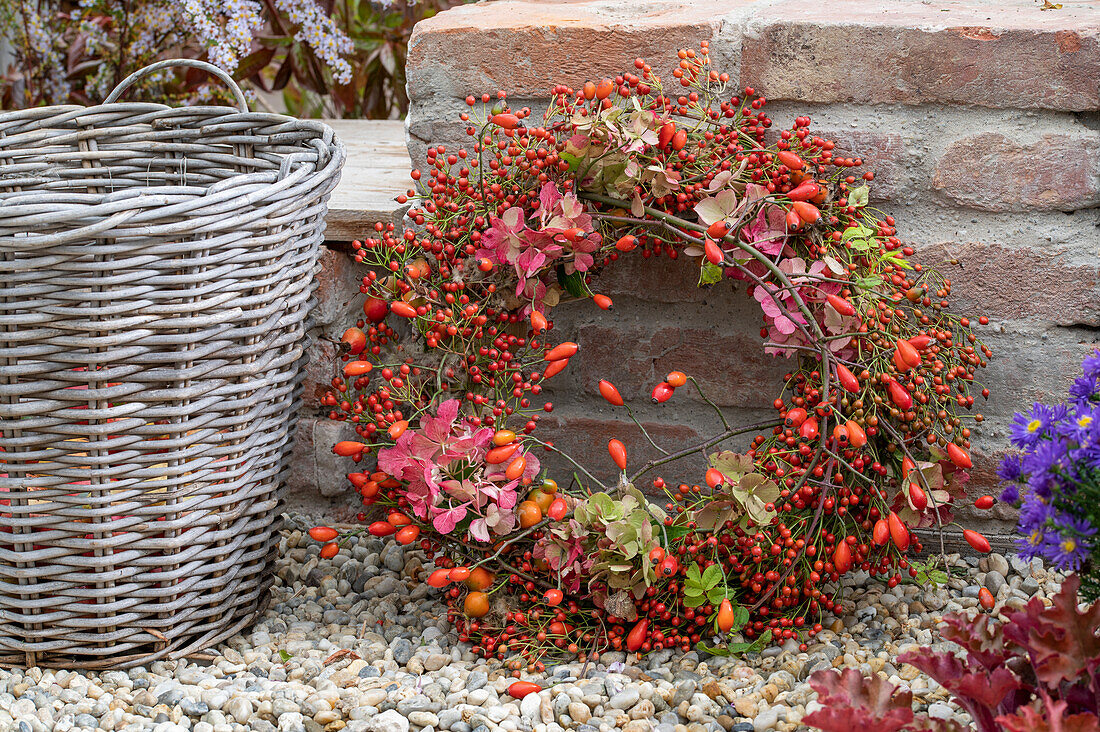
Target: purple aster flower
column 1011, row 493
column 1082, row 390
column 1011, row 473
column 1091, row 365
column 1010, row 470
column 1082, row 425
column 1031, row 544
column 1060, row 455
column 1042, row 466
column 1068, row 545
column 1027, row 429
column 1035, row 513
column 1089, row 456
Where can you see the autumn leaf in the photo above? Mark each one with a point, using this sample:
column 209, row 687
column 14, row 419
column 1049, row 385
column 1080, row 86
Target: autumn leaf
column 1027, row 719
column 342, row 653
column 979, row 691
column 1062, row 642
column 731, row 464
column 853, row 701
column 719, row 207
column 981, row 637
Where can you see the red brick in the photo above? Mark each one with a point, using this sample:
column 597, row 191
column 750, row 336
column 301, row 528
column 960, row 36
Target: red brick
column 882, row 153
column 990, row 283
column 657, row 279
column 991, row 172
column 527, row 47
column 585, row 440
column 1005, row 55
column 730, row 365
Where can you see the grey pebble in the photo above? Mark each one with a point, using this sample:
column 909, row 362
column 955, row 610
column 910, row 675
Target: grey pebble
column 192, row 708
column 625, row 699
column 171, row 697
column 402, row 650
column 994, row 581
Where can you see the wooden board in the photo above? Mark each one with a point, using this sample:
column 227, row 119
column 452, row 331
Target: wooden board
column 376, row 172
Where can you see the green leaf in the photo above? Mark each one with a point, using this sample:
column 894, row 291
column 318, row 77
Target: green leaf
column 573, row 283
column 284, row 655
column 740, row 616
column 731, row 464
column 692, row 601
column 693, row 573
column 712, row 576
column 573, row 160
column 717, row 594
column 868, row 283
column 856, row 232
column 603, row 503
column 895, row 257
column 671, row 534
column 857, row 197
column 709, row 274
column 692, row 590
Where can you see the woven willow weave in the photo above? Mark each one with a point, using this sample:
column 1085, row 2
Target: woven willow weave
column 156, row 267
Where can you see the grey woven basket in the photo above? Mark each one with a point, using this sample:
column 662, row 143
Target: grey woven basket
column 156, row 267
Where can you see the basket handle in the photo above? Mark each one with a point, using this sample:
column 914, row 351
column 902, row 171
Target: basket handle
column 126, row 83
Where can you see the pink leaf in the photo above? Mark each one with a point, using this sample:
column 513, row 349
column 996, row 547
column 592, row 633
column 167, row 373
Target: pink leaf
column 445, row 521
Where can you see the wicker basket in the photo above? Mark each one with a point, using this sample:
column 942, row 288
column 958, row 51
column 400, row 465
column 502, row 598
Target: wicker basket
column 156, row 267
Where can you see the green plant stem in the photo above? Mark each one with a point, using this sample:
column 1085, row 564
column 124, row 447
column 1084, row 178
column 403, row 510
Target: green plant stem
column 645, row 432
column 704, row 397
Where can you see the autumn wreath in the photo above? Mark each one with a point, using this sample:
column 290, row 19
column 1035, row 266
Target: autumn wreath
column 442, row 376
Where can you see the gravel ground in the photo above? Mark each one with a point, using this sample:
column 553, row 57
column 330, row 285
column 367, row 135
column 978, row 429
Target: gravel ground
column 406, row 672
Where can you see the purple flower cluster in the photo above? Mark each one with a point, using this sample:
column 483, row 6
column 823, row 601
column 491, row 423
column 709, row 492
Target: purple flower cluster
column 1055, row 476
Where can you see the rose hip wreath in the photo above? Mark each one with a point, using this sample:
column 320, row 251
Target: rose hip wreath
column 441, row 378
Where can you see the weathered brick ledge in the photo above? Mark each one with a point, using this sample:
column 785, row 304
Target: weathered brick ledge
column 1007, row 55
column 980, row 120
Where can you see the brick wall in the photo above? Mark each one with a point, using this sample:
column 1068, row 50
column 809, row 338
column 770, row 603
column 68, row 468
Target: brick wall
column 980, row 120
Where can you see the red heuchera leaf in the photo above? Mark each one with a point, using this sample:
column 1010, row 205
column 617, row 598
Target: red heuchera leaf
column 981, row 637
column 1027, row 719
column 979, row 692
column 1062, row 642
column 853, row 701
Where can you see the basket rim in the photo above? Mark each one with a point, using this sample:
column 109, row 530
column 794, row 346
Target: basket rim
column 316, row 164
